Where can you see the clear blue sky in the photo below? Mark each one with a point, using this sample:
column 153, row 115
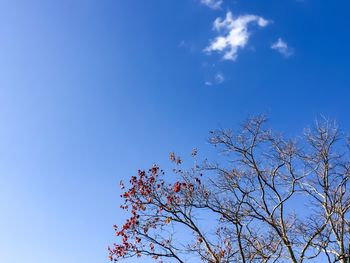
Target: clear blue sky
column 90, row 91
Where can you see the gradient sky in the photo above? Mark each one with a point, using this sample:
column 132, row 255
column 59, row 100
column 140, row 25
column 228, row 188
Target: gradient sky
column 91, row 91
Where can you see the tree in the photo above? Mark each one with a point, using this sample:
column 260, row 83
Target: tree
column 268, row 199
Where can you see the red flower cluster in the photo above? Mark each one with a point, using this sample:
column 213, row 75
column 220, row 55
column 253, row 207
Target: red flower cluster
column 177, row 187
column 147, row 192
column 141, row 188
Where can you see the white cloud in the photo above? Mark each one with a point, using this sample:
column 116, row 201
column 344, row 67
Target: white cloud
column 213, row 4
column 282, row 47
column 189, row 46
column 233, row 34
column 218, row 79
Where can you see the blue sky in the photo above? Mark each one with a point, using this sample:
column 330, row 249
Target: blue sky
column 92, row 90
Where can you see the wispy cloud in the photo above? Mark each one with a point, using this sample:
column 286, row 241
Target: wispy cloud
column 233, row 34
column 283, row 48
column 213, row 4
column 188, row 46
column 218, row 79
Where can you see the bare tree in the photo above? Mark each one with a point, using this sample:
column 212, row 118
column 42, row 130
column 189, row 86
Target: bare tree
column 268, row 199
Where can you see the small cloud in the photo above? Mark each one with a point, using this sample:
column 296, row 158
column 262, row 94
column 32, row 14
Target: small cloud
column 187, row 45
column 218, row 79
column 213, row 4
column 283, row 48
column 182, row 43
column 233, row 34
